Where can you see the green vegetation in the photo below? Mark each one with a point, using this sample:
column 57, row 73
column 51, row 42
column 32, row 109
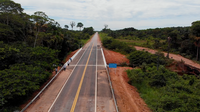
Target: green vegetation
column 116, row 45
column 138, row 58
column 31, row 46
column 163, row 90
column 23, row 70
column 183, row 40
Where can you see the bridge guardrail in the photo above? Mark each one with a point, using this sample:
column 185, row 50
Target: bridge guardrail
column 112, row 91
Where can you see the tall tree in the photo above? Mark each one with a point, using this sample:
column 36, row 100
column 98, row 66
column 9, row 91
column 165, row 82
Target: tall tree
column 13, row 21
column 9, row 7
column 39, row 19
column 168, row 41
column 89, row 30
column 80, row 25
column 72, row 23
column 174, row 38
column 196, row 35
column 66, row 26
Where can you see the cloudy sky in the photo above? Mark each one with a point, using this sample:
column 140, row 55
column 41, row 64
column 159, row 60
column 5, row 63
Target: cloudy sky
column 118, row 14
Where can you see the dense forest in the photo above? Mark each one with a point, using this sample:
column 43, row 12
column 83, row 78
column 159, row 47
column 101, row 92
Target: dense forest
column 29, row 47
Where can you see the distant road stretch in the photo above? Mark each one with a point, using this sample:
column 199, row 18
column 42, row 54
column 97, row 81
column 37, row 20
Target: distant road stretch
column 87, row 88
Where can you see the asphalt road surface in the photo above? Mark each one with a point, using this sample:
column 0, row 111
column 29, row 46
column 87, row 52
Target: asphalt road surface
column 87, row 88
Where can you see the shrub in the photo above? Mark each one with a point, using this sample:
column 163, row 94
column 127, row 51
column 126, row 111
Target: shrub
column 139, row 57
column 164, row 90
column 116, row 45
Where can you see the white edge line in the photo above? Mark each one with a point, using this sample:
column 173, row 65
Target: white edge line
column 96, row 83
column 65, row 84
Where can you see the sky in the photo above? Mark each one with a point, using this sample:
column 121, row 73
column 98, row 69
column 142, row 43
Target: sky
column 117, row 14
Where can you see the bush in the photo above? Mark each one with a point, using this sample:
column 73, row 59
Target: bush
column 158, row 81
column 164, row 90
column 116, row 45
column 136, row 76
column 139, row 57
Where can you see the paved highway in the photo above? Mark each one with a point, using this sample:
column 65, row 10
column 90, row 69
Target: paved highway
column 87, row 89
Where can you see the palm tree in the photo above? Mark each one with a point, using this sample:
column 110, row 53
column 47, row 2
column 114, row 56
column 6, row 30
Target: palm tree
column 80, row 25
column 66, row 26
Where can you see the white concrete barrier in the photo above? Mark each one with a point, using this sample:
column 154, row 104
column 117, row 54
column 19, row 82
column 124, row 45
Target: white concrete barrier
column 112, row 91
column 69, row 61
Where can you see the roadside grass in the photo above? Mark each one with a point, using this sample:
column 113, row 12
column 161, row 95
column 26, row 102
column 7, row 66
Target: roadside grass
column 115, row 45
column 103, row 35
column 148, row 44
column 141, row 43
column 136, row 42
column 84, row 41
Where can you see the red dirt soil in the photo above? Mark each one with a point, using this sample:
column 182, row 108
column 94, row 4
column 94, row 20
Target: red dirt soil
column 114, row 57
column 70, row 55
column 128, row 99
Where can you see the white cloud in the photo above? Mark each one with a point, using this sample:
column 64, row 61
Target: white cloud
column 117, row 13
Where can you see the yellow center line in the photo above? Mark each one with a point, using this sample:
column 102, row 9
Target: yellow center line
column 79, row 87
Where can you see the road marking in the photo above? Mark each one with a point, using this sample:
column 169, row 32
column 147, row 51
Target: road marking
column 79, row 87
column 88, row 65
column 97, row 49
column 96, row 83
column 65, row 82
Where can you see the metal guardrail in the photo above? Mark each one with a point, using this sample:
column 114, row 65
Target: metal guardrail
column 49, row 82
column 112, row 91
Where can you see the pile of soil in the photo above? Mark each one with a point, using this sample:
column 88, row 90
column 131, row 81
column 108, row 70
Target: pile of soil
column 115, row 57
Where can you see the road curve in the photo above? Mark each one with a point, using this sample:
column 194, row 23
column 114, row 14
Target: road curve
column 87, row 88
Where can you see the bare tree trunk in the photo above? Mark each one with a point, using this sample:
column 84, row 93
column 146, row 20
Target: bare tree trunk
column 168, row 40
column 36, row 38
column 168, row 51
